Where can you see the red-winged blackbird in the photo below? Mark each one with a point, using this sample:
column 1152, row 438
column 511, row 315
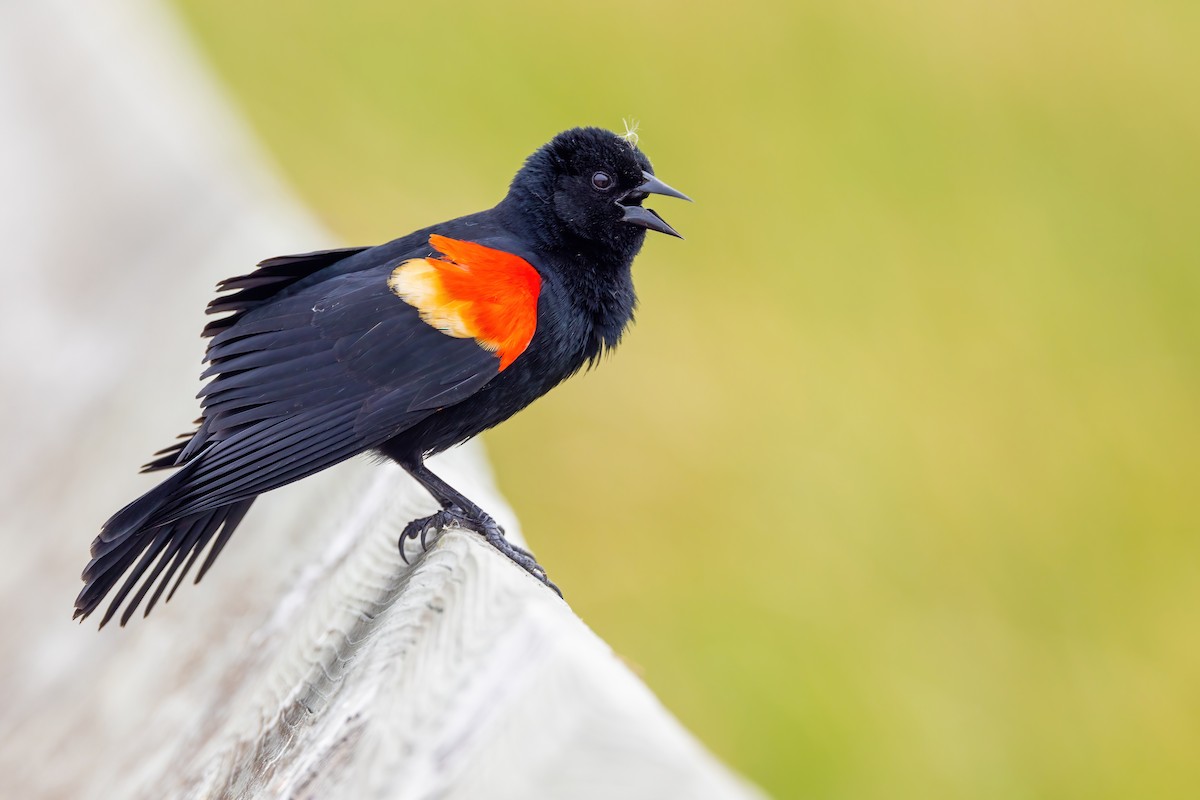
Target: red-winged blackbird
column 407, row 348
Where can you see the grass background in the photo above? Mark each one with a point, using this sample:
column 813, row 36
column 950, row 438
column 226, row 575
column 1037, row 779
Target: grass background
column 892, row 491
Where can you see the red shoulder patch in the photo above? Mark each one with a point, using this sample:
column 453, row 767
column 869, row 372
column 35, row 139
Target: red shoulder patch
column 473, row 292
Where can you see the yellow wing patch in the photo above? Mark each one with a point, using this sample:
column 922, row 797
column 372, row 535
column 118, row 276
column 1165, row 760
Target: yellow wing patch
column 417, row 283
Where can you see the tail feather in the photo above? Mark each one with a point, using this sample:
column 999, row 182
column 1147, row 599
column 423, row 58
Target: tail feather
column 161, row 538
column 131, row 546
column 190, row 544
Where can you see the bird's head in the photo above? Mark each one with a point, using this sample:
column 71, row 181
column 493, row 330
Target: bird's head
column 589, row 184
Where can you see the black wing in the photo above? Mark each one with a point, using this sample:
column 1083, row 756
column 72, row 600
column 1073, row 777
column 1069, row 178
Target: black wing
column 311, row 379
column 299, row 382
column 273, row 278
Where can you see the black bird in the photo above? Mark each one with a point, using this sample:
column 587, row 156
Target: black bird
column 406, row 348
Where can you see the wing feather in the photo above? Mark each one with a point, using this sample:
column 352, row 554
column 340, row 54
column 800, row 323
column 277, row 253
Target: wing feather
column 313, row 362
column 311, row 379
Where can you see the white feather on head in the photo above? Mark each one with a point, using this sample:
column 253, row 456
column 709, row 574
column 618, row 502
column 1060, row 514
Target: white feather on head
column 631, row 131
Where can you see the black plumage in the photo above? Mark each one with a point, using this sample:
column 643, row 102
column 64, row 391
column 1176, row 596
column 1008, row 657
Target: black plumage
column 317, row 359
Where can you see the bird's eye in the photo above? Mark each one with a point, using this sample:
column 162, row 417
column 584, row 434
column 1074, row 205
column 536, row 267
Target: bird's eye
column 602, row 181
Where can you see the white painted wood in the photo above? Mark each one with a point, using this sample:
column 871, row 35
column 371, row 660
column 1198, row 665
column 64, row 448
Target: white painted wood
column 311, row 662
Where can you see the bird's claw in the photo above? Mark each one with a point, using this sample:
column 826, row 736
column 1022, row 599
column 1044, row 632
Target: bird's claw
column 484, row 525
column 419, row 529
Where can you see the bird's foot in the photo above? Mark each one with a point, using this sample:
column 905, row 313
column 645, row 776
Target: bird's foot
column 494, row 535
column 419, row 529
column 485, row 526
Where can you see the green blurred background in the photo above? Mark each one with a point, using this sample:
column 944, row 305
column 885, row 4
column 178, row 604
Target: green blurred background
column 892, row 491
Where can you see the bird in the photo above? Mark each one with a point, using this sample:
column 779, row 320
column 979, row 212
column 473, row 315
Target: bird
column 403, row 349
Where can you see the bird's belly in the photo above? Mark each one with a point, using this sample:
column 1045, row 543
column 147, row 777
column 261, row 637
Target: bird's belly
column 509, row 392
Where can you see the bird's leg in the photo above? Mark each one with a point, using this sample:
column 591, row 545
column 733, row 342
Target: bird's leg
column 459, row 512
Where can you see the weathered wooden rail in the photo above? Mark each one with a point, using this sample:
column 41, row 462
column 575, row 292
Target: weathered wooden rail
column 312, row 662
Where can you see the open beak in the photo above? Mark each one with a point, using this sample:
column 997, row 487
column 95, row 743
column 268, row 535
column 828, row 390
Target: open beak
column 634, row 214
